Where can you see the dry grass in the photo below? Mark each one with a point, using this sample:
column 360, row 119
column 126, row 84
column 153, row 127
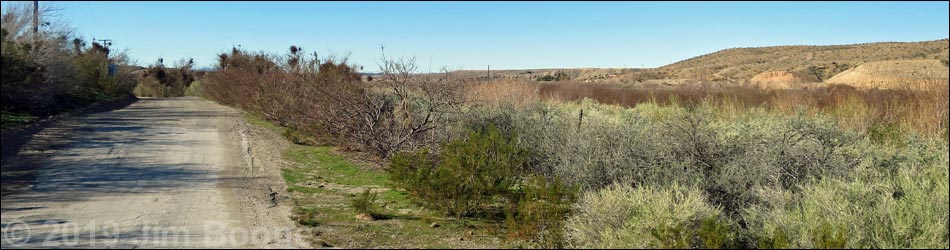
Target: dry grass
column 922, row 109
column 514, row 92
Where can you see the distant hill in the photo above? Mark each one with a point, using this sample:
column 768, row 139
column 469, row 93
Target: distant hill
column 784, row 66
column 817, row 62
column 870, row 65
column 894, row 74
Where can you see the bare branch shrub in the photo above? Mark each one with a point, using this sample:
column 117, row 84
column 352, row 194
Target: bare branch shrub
column 52, row 70
column 413, row 113
column 161, row 81
column 326, row 99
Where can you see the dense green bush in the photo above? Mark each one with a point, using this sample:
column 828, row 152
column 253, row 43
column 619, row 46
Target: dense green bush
column 539, row 212
column 413, row 171
column 483, row 175
column 469, row 175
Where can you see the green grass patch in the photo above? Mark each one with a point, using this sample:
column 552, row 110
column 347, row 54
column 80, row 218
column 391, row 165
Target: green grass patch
column 396, row 199
column 306, row 190
column 294, row 176
column 10, row 120
column 323, row 184
column 253, row 119
column 330, row 167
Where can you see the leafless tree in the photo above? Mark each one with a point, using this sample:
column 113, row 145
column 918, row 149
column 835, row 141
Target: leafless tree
column 402, row 112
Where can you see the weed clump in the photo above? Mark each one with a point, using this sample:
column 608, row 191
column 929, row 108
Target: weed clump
column 306, row 217
column 365, row 205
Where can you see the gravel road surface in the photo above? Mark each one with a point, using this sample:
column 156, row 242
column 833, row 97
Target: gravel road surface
column 160, row 173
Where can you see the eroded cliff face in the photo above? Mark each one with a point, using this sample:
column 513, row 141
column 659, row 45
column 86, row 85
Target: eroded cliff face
column 897, row 74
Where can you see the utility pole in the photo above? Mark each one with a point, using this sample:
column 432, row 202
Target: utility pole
column 105, row 42
column 36, row 22
column 111, row 68
column 489, row 73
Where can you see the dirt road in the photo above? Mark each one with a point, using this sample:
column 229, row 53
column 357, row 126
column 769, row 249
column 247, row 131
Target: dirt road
column 160, row 173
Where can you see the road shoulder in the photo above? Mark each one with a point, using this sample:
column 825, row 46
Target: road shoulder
column 260, row 196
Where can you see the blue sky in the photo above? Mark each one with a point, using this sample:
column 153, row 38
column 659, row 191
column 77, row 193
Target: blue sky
column 506, row 35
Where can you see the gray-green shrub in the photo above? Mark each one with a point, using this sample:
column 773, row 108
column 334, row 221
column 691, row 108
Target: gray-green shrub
column 621, row 216
column 726, row 156
column 875, row 210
